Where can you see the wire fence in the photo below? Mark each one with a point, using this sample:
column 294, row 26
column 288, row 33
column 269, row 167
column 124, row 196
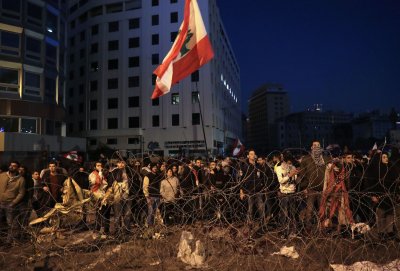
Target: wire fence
column 239, row 227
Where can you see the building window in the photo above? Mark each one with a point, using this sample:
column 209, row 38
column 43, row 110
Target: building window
column 196, row 119
column 92, row 142
column 133, row 81
column 155, row 102
column 80, row 108
column 9, row 79
column 154, row 3
column 81, row 89
column 95, row 29
column 111, row 141
column 134, row 42
column 113, row 64
column 195, row 76
column 11, row 9
column 155, row 59
column 113, row 26
column 94, row 48
column 33, row 48
column 154, row 39
column 195, row 97
column 175, row 119
column 32, row 83
column 156, row 120
column 134, row 23
column 28, row 126
column 81, row 71
column 112, row 123
column 133, row 101
column 112, row 103
column 10, row 43
column 71, row 58
column 173, row 1
column 70, row 127
column 71, row 92
column 173, row 36
column 133, row 4
column 51, row 54
column 113, row 45
column 96, row 11
column 175, row 98
column 113, row 83
column 9, row 124
column 133, row 61
column 93, row 105
column 35, row 14
column 82, row 36
column 114, row 8
column 174, row 17
column 82, row 53
column 133, row 141
column 154, row 20
column 94, row 66
column 93, row 85
column 93, row 124
column 133, row 122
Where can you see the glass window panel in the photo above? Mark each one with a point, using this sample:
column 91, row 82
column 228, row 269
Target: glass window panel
column 28, row 126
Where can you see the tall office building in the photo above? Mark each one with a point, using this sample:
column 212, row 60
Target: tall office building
column 32, row 81
column 113, row 48
column 266, row 105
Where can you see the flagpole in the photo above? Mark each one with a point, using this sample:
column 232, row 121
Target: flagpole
column 201, row 118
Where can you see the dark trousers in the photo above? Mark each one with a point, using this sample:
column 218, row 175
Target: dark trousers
column 258, row 201
column 103, row 218
column 287, row 204
column 10, row 215
column 169, row 212
column 122, row 216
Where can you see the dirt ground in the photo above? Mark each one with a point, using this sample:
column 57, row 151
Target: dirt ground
column 227, row 248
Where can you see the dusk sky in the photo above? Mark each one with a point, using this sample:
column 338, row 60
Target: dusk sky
column 344, row 54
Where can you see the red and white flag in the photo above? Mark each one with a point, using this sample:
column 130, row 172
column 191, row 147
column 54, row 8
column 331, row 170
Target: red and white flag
column 191, row 50
column 238, row 148
column 73, row 156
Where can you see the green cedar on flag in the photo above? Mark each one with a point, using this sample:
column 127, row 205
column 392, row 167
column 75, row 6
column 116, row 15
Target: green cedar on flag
column 191, row 50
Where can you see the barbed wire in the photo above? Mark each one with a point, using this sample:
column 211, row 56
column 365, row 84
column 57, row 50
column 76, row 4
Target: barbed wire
column 215, row 214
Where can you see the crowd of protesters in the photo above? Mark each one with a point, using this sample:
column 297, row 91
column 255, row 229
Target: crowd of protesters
column 294, row 194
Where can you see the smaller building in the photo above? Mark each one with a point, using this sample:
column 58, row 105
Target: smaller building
column 298, row 130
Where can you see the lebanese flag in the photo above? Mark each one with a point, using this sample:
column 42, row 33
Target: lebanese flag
column 238, row 148
column 191, row 50
column 73, row 156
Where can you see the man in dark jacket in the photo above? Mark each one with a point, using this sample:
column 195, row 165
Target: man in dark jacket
column 252, row 187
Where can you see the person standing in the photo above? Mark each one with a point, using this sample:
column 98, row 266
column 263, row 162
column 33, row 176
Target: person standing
column 97, row 189
column 151, row 190
column 252, row 187
column 170, row 192
column 12, row 191
column 287, row 175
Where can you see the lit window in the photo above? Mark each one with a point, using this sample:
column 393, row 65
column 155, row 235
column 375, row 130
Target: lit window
column 175, row 98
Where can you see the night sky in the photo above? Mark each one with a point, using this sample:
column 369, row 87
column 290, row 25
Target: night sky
column 344, row 54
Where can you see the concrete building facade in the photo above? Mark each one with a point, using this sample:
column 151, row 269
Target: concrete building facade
column 32, row 79
column 113, row 48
